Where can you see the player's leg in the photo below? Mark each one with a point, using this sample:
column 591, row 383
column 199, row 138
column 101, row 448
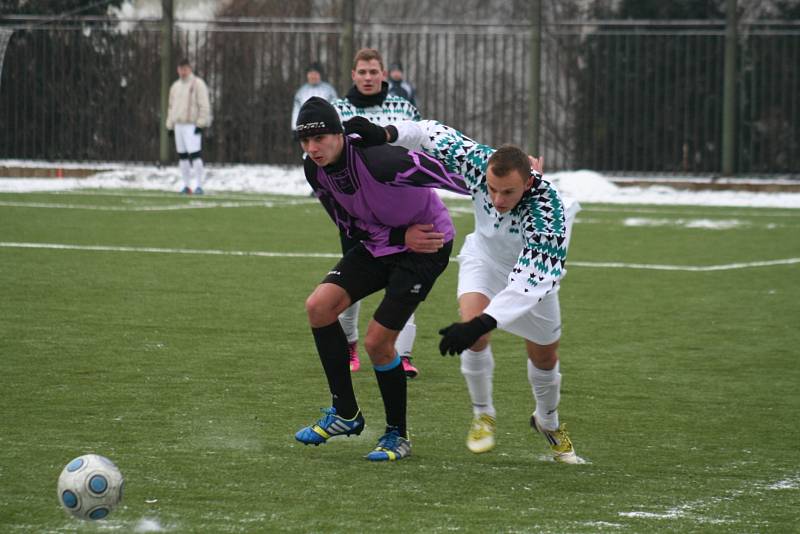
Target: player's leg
column 184, row 164
column 542, row 330
column 410, row 279
column 477, row 368
column 379, row 343
column 194, row 145
column 199, row 172
column 404, row 346
column 478, row 282
column 349, row 317
column 351, row 279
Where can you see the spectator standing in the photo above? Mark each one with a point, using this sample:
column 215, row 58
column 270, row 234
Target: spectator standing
column 314, row 86
column 399, row 86
column 189, row 112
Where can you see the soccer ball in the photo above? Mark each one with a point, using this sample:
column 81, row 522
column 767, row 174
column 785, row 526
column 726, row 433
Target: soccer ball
column 90, row 486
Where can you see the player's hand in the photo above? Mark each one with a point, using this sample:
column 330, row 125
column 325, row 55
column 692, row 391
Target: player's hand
column 371, row 134
column 422, row 238
column 537, row 164
column 458, row 337
column 171, row 133
column 198, row 130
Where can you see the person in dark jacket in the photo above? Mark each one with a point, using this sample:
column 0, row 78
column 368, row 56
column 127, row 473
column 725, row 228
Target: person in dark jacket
column 399, row 86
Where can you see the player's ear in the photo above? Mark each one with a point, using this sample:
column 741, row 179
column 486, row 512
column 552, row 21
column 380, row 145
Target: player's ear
column 529, row 181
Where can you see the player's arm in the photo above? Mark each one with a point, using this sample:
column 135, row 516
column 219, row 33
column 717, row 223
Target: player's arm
column 170, row 122
column 204, row 115
column 459, row 153
column 402, row 168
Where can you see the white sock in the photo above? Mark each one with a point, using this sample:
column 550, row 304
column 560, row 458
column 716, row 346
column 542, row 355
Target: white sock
column 349, row 320
column 186, row 170
column 477, row 368
column 405, row 340
column 546, row 387
column 199, row 171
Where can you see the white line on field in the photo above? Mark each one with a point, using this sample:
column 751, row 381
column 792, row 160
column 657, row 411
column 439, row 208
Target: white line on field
column 210, row 252
column 688, row 268
column 165, row 207
column 213, row 252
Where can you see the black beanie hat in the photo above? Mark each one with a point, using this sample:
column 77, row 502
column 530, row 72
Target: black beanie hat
column 317, row 116
column 315, row 67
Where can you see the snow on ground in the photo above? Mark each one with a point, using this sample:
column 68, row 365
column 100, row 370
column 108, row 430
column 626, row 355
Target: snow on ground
column 585, row 186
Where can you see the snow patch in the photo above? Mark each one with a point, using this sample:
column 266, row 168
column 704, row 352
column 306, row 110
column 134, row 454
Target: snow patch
column 148, row 525
column 584, row 186
column 707, row 224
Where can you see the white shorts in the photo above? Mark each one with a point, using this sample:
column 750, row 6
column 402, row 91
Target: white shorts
column 186, row 141
column 542, row 324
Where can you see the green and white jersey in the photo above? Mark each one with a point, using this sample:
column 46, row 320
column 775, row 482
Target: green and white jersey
column 393, row 109
column 529, row 242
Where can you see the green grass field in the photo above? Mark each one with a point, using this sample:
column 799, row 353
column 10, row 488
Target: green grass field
column 192, row 371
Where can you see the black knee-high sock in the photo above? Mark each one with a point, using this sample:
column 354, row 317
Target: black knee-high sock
column 332, row 347
column 392, row 383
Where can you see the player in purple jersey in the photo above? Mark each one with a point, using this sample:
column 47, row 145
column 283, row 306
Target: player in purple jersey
column 376, row 195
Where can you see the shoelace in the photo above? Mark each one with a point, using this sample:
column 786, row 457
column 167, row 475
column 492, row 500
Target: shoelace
column 388, row 441
column 481, row 426
column 327, row 419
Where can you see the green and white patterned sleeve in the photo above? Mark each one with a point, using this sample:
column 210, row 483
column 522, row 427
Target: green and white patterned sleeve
column 459, row 153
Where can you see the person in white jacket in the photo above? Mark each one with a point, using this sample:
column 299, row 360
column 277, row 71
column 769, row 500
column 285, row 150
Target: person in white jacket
column 510, row 270
column 314, row 86
column 188, row 114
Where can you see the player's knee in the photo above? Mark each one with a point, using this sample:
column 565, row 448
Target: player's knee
column 481, row 344
column 543, row 356
column 320, row 311
column 378, row 345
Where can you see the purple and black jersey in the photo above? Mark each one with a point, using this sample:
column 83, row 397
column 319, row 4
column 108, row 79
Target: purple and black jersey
column 374, row 193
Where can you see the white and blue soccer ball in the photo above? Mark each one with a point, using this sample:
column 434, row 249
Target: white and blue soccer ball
column 90, row 486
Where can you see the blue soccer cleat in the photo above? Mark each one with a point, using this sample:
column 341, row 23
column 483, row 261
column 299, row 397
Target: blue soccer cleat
column 199, row 191
column 186, row 191
column 328, row 426
column 391, row 446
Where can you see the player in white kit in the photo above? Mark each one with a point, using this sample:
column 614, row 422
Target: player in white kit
column 510, row 268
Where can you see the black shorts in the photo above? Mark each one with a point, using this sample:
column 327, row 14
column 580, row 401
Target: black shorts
column 407, row 277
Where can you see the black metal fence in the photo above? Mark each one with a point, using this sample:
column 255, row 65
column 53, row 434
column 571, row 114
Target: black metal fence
column 615, row 97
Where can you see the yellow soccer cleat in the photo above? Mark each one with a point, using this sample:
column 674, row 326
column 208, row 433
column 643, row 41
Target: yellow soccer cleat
column 559, row 442
column 481, row 434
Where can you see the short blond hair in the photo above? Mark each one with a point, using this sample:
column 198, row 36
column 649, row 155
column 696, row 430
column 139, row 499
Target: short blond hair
column 368, row 54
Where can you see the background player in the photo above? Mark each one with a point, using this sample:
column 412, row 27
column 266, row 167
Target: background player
column 369, row 97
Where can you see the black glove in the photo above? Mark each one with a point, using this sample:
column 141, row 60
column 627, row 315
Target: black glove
column 371, row 134
column 198, row 130
column 171, row 133
column 458, row 337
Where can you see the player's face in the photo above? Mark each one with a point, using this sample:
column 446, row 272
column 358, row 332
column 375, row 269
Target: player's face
column 323, row 149
column 313, row 77
column 368, row 76
column 184, row 71
column 506, row 191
